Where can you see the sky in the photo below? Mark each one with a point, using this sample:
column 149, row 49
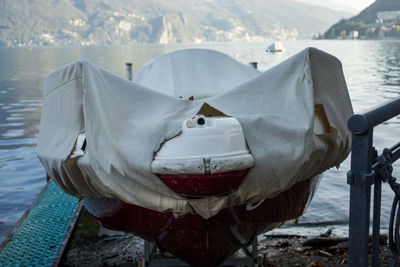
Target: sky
column 352, row 6
column 357, row 4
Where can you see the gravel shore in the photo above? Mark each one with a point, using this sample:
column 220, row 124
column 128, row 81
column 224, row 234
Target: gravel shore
column 91, row 245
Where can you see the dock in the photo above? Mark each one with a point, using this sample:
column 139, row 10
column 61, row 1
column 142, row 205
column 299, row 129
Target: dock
column 41, row 235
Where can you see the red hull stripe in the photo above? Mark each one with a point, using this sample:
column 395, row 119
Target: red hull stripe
column 196, row 185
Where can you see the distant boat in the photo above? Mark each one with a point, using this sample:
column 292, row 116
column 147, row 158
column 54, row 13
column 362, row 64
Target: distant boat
column 275, row 47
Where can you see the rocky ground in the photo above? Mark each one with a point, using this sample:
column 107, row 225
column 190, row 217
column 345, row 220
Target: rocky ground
column 311, row 251
column 91, row 245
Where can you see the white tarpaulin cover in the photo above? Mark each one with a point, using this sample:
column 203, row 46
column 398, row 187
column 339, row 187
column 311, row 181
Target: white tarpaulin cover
column 126, row 122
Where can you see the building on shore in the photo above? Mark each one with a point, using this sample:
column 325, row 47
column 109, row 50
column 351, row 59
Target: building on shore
column 353, row 35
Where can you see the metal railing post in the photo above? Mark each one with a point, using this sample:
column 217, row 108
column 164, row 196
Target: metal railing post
column 376, row 222
column 360, row 179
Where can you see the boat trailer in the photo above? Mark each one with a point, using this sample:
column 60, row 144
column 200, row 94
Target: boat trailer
column 367, row 169
column 249, row 260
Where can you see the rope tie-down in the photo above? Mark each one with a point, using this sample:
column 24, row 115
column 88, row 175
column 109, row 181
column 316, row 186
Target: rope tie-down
column 384, row 170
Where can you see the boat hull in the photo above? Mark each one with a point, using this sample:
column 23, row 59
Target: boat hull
column 205, row 242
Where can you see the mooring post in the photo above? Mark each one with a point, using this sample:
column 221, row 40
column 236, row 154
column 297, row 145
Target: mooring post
column 253, row 64
column 129, row 71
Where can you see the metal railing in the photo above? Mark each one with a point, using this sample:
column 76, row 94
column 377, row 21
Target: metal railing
column 367, row 169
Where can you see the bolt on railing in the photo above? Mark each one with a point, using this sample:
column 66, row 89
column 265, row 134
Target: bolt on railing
column 367, row 169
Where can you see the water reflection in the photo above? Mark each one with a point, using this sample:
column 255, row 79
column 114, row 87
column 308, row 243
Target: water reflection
column 388, row 67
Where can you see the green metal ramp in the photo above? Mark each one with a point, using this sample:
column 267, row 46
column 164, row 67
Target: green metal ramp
column 42, row 233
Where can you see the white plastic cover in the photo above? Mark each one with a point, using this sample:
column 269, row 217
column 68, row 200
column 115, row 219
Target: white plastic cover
column 200, row 73
column 216, row 145
column 125, row 124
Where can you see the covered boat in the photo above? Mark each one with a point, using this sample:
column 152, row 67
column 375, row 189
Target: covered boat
column 200, row 153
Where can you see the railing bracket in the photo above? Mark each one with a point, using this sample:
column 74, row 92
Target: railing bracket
column 366, row 179
column 350, row 178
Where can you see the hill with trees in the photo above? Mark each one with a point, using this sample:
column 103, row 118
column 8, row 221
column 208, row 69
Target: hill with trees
column 84, row 22
column 379, row 20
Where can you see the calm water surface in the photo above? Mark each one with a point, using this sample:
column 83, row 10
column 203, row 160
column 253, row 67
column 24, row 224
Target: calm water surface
column 372, row 70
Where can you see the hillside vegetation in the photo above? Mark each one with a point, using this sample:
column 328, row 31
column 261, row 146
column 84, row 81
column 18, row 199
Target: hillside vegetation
column 60, row 22
column 366, row 24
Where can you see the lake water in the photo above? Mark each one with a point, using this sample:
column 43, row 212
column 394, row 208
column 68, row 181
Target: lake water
column 372, row 70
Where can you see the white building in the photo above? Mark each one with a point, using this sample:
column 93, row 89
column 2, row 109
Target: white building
column 353, row 35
